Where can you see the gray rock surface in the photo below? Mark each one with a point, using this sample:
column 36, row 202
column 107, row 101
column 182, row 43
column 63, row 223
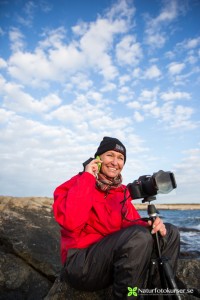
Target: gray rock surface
column 30, row 255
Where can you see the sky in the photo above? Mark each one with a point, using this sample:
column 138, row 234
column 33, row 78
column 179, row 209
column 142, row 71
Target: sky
column 72, row 72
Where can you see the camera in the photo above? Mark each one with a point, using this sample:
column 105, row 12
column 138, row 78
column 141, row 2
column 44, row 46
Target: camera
column 147, row 186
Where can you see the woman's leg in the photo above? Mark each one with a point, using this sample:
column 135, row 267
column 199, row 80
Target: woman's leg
column 121, row 259
column 171, row 249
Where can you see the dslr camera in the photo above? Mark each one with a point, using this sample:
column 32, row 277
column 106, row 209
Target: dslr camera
column 147, row 186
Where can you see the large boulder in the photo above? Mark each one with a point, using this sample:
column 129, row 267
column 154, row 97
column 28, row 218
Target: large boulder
column 30, row 265
column 29, row 248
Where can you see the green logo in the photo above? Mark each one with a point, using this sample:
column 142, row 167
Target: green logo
column 132, row 291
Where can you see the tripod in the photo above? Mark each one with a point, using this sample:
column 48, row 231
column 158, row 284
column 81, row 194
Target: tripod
column 165, row 271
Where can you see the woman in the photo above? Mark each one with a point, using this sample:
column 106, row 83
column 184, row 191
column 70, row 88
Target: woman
column 102, row 241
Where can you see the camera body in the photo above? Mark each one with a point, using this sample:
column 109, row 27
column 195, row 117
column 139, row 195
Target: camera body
column 148, row 186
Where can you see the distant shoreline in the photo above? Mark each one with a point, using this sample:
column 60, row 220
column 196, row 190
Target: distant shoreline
column 143, row 206
column 181, row 206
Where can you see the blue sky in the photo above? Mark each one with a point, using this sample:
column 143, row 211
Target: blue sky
column 72, row 72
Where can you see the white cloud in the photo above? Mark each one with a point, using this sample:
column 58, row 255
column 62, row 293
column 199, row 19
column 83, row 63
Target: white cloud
column 55, row 60
column 155, row 27
column 137, row 73
column 149, row 95
column 108, row 87
column 45, row 6
column 149, row 106
column 156, row 40
column 5, row 115
column 32, row 150
column 2, row 32
column 187, row 174
column 156, row 111
column 123, row 98
column 81, row 82
column 66, row 114
column 182, row 116
column 138, row 117
column 177, row 116
column 16, row 99
column 82, row 109
column 168, row 13
column 175, row 68
column 124, row 90
column 31, row 68
column 125, row 94
column 28, row 10
column 191, row 59
column 128, row 51
column 152, row 72
column 192, row 43
column 104, row 122
column 170, row 96
column 134, row 104
column 186, row 78
column 3, row 63
column 189, row 167
column 96, row 96
column 80, row 29
column 100, row 36
column 123, row 79
column 170, row 54
column 171, row 115
column 121, row 9
column 17, row 40
column 52, row 39
column 50, row 101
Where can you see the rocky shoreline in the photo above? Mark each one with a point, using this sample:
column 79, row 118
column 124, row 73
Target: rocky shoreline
column 30, row 253
column 181, row 206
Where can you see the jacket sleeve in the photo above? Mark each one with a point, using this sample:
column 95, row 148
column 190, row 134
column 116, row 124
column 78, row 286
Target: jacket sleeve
column 73, row 201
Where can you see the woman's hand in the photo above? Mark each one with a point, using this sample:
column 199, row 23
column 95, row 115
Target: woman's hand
column 158, row 226
column 92, row 167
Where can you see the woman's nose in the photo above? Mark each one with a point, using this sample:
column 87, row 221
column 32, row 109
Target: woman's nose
column 114, row 161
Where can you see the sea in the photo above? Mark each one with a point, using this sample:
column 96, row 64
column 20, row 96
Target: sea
column 188, row 222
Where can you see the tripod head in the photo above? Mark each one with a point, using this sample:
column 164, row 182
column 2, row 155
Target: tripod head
column 152, row 213
column 151, row 209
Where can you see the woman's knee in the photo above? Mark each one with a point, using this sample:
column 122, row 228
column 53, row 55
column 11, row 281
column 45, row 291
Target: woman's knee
column 172, row 232
column 140, row 237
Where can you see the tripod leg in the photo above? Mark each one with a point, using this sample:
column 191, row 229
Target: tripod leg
column 170, row 280
column 151, row 273
column 169, row 275
column 154, row 266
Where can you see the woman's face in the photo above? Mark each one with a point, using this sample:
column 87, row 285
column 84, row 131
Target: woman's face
column 112, row 163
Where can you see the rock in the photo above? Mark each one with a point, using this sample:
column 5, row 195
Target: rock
column 30, row 255
column 29, row 248
column 20, row 281
column 189, row 272
column 61, row 290
column 188, row 276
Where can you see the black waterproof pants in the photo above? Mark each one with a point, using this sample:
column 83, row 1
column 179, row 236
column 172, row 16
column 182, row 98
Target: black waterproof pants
column 121, row 259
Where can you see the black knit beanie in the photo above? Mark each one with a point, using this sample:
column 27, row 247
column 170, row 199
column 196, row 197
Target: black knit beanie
column 109, row 143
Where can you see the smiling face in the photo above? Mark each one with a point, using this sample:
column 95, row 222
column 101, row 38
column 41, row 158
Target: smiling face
column 113, row 163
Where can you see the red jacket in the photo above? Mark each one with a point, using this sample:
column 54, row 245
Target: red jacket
column 86, row 215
